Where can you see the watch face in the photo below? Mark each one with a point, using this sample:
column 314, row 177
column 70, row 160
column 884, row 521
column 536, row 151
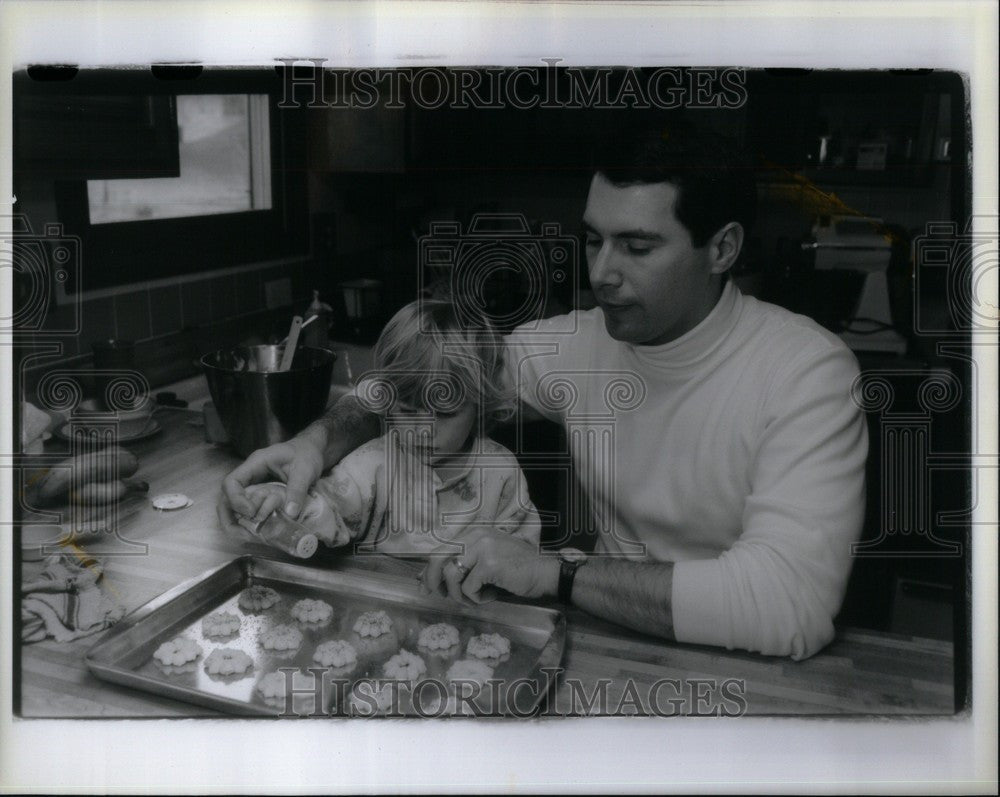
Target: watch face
column 572, row 555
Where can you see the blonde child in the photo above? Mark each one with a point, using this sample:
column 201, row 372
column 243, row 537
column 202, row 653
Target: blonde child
column 434, row 473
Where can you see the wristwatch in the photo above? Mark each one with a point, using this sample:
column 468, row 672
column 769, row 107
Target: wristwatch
column 570, row 561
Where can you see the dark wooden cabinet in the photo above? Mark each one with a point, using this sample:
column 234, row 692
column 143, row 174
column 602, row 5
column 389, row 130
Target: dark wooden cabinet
column 357, row 139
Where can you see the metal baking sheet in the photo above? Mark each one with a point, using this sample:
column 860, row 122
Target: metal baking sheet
column 520, row 682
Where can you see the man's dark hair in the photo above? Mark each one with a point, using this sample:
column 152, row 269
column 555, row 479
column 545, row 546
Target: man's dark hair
column 714, row 182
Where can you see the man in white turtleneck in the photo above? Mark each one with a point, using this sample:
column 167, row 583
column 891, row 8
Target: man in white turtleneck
column 727, row 488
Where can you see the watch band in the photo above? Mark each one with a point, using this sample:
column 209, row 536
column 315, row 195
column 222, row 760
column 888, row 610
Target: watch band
column 567, row 573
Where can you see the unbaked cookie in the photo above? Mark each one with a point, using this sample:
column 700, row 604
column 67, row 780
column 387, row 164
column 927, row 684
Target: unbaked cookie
column 308, row 610
column 373, row 624
column 281, row 637
column 220, row 624
column 375, row 648
column 336, row 653
column 470, row 670
column 257, row 599
column 177, row 651
column 184, row 669
column 298, row 694
column 227, row 661
column 404, row 666
column 488, row 646
column 273, row 685
column 439, row 636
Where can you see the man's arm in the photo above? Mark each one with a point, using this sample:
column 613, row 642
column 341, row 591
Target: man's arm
column 636, row 595
column 779, row 586
column 343, row 427
column 633, row 594
column 777, row 589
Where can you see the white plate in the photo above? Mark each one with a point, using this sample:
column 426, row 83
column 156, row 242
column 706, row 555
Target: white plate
column 63, row 433
column 171, row 501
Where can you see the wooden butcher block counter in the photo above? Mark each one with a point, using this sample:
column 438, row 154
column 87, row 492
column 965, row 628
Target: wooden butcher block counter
column 606, row 669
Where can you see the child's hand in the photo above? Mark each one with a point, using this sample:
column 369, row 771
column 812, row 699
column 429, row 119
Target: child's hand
column 265, row 498
column 320, row 518
column 317, row 516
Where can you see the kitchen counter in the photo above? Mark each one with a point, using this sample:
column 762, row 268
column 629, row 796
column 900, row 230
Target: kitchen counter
column 861, row 672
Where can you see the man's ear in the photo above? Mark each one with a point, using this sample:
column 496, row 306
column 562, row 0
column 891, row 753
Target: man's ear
column 724, row 247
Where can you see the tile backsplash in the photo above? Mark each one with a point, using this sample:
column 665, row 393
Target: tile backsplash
column 165, row 319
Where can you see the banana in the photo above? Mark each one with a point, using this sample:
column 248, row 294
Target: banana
column 103, row 493
column 84, row 469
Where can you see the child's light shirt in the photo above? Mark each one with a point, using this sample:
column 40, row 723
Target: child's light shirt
column 384, row 499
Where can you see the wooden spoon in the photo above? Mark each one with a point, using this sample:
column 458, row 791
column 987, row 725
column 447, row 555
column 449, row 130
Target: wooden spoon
column 290, row 346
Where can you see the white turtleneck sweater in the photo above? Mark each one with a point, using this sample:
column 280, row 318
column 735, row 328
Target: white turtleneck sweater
column 743, row 462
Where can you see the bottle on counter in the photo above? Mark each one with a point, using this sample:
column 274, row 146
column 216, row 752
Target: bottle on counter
column 317, row 333
column 280, row 531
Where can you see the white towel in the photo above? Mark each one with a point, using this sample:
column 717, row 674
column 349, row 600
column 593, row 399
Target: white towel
column 66, row 601
column 34, row 423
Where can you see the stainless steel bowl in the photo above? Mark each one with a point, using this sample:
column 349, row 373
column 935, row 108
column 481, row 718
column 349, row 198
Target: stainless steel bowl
column 258, row 404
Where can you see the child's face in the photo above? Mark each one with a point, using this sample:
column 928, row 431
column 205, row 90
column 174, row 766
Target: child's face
column 449, row 431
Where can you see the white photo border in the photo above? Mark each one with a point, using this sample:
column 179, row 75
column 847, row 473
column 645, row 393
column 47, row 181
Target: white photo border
column 747, row 755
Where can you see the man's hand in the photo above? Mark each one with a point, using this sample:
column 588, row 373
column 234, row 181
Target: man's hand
column 635, row 594
column 266, row 497
column 491, row 558
column 298, row 463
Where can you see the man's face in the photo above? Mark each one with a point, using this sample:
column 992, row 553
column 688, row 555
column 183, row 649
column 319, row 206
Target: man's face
column 652, row 284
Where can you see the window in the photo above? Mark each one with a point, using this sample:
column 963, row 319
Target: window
column 224, row 148
column 161, row 177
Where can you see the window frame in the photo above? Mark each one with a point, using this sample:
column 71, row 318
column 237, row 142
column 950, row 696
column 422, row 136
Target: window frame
column 183, row 246
column 258, row 195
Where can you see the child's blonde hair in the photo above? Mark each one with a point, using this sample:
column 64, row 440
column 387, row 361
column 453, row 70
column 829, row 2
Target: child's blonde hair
column 436, row 358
